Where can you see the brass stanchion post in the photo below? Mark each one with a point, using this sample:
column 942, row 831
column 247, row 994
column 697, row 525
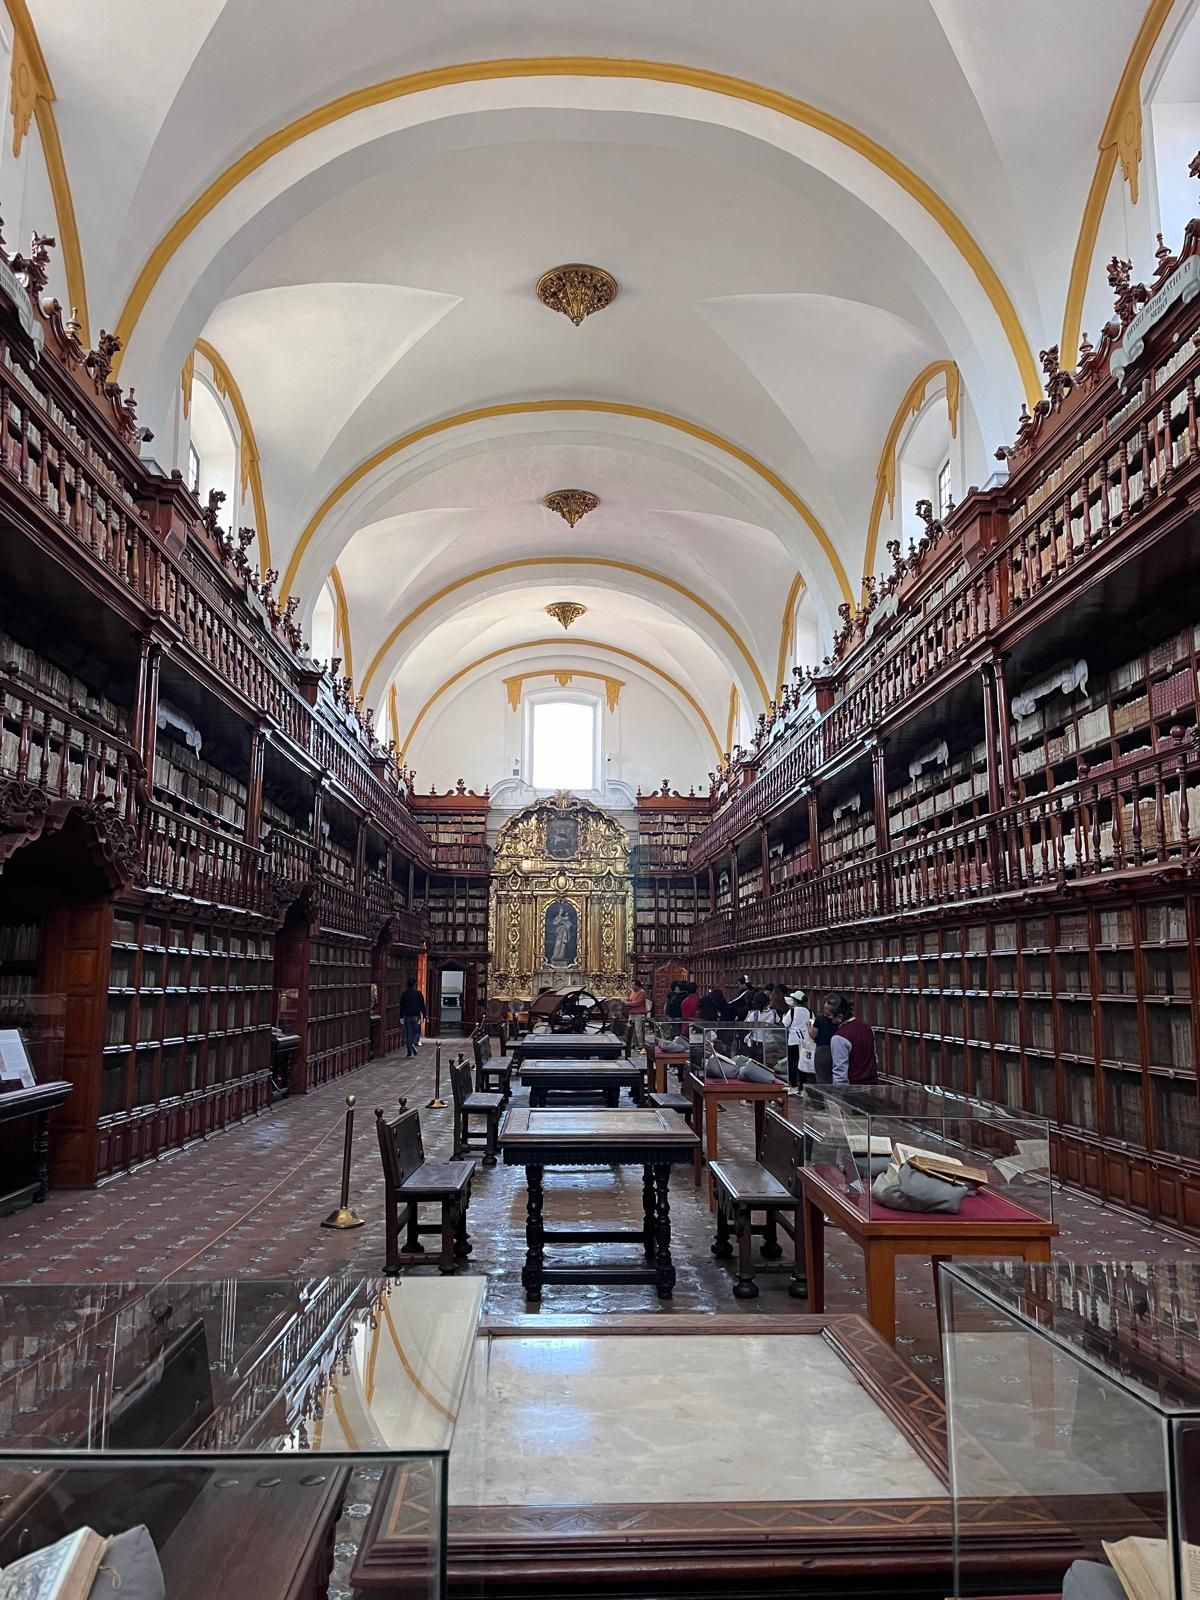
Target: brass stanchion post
column 344, row 1217
column 437, row 1103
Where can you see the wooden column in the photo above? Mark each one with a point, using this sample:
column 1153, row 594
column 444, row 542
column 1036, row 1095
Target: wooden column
column 318, row 815
column 149, row 731
column 254, row 786
column 882, row 835
column 137, row 723
column 766, row 860
column 995, row 781
column 1004, row 730
column 814, row 832
column 360, row 854
column 733, row 880
column 411, row 886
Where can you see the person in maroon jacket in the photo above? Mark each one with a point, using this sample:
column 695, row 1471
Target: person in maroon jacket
column 852, row 1046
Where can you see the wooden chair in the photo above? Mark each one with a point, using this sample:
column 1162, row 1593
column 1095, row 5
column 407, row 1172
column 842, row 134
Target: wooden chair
column 666, row 1099
column 768, row 1186
column 470, row 1103
column 492, row 1073
column 408, row 1180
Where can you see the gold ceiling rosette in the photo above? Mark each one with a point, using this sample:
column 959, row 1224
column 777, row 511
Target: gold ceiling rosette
column 576, row 290
column 566, row 612
column 571, row 504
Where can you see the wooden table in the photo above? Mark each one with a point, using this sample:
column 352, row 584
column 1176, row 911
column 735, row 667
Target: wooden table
column 660, row 1060
column 652, row 1139
column 707, row 1095
column 568, row 1047
column 579, row 1077
column 988, row 1225
column 35, row 1105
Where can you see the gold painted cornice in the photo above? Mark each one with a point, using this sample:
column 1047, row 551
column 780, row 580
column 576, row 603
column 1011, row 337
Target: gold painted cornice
column 523, row 563
column 717, row 83
column 685, row 695
column 251, row 463
column 885, row 472
column 572, row 505
column 32, row 96
column 514, row 687
column 1120, row 140
column 612, row 408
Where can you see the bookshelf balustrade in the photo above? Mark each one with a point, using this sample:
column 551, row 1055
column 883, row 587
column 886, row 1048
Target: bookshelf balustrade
column 54, row 748
column 190, row 859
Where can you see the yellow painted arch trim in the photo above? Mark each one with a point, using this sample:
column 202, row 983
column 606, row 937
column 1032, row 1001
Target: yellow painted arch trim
column 885, row 473
column 595, row 67
column 1120, row 136
column 251, row 462
column 343, row 619
column 567, row 561
column 558, row 644
column 787, row 625
column 27, row 51
column 612, row 408
column 731, row 716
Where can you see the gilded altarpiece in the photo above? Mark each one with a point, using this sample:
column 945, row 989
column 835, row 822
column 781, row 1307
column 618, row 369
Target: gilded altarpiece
column 561, row 902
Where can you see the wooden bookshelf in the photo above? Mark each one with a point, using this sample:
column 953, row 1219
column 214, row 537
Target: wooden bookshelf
column 339, row 1007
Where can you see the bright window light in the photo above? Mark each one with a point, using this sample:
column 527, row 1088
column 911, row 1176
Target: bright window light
column 564, row 745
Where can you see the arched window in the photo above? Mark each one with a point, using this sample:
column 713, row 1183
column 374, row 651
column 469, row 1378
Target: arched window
column 562, row 741
column 926, row 467
column 324, row 626
column 1175, row 125
column 215, row 446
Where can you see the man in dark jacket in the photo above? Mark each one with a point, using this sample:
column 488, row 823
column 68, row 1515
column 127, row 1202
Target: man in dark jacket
column 412, row 1009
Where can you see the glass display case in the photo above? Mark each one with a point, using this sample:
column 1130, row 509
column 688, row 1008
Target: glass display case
column 747, row 1050
column 246, row 1425
column 893, row 1150
column 1073, row 1399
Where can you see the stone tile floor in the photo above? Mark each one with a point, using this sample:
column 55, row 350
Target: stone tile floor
column 250, row 1201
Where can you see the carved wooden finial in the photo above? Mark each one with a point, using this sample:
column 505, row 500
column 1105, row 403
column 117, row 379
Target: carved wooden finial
column 1085, row 349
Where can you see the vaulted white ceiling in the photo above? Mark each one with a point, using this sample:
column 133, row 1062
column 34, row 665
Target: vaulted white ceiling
column 804, row 209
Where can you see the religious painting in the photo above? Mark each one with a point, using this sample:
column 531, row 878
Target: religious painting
column 562, row 934
column 562, row 838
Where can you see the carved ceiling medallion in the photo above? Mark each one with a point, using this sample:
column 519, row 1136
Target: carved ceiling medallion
column 576, row 290
column 571, row 504
column 566, row 612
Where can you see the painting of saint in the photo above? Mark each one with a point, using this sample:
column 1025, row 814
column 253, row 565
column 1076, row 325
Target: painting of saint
column 562, row 838
column 562, row 934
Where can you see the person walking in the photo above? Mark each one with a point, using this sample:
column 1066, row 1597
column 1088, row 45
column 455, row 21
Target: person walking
column 797, row 1020
column 639, row 1008
column 852, row 1046
column 412, row 1009
column 821, row 1031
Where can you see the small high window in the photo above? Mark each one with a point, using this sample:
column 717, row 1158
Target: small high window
column 563, row 741
column 943, row 490
column 193, row 476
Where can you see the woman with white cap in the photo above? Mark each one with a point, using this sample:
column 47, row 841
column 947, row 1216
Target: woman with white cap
column 797, row 1019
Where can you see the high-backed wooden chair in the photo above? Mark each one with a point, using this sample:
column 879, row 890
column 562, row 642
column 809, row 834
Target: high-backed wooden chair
column 468, row 1103
column 409, row 1180
column 493, row 1074
column 769, row 1186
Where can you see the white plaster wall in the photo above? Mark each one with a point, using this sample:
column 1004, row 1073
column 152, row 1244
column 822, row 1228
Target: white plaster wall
column 474, row 735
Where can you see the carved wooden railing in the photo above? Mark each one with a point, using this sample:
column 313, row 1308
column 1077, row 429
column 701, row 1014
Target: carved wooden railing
column 81, row 485
column 410, row 928
column 292, row 855
column 187, row 858
column 58, row 750
column 1138, row 815
column 459, row 857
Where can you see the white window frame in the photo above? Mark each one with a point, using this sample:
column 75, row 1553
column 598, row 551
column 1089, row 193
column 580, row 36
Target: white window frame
column 193, row 468
column 556, row 695
column 943, row 502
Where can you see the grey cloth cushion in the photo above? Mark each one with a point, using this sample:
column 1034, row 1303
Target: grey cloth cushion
column 1091, row 1580
column 130, row 1569
column 910, row 1190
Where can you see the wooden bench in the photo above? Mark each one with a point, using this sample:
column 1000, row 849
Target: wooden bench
column 468, row 1103
column 768, row 1186
column 493, row 1074
column 662, row 1097
column 408, row 1181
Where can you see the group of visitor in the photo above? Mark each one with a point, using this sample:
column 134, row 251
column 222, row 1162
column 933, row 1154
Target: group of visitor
column 828, row 1043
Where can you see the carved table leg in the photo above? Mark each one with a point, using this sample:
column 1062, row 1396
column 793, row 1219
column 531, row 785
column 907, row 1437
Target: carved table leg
column 663, row 1265
column 41, row 1157
column 462, row 1239
column 648, row 1211
column 771, row 1247
column 721, row 1246
column 814, row 1253
column 537, row 1097
column 745, row 1288
column 449, row 1232
column 612, row 1097
column 493, row 1128
column 531, row 1273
